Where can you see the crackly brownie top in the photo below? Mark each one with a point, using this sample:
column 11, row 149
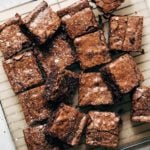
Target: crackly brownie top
column 60, row 54
column 125, row 73
column 42, row 22
column 104, row 121
column 92, row 49
column 34, row 105
column 12, row 40
column 74, row 8
column 93, row 90
column 107, row 6
column 67, row 124
column 35, row 138
column 22, row 71
column 80, row 21
column 126, row 33
column 141, row 99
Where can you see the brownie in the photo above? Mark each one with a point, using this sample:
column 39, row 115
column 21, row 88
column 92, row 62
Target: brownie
column 141, row 104
column 34, row 105
column 36, row 140
column 126, row 33
column 108, row 6
column 41, row 23
column 92, row 49
column 59, row 54
column 61, row 85
column 78, row 19
column 67, row 124
column 93, row 90
column 103, row 129
column 22, row 71
column 124, row 73
column 12, row 40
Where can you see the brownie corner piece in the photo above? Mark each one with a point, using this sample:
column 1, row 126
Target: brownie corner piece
column 93, row 90
column 41, row 23
column 126, row 33
column 92, row 49
column 141, row 104
column 22, row 71
column 103, row 129
column 124, row 73
column 67, row 124
column 36, row 140
column 61, row 85
column 12, row 39
column 79, row 19
column 108, row 6
column 34, row 105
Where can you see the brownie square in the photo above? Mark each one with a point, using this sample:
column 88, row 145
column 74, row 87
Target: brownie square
column 93, row 90
column 61, row 85
column 108, row 6
column 103, row 129
column 92, row 49
column 22, row 71
column 78, row 19
column 34, row 105
column 126, row 33
column 124, row 73
column 12, row 40
column 141, row 104
column 36, row 140
column 59, row 54
column 42, row 23
column 67, row 124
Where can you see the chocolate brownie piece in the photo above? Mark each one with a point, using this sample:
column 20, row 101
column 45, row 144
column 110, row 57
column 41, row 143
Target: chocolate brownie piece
column 141, row 104
column 93, row 90
column 67, row 124
column 92, row 49
column 59, row 54
column 103, row 129
column 42, row 23
column 61, row 85
column 126, row 33
column 34, row 105
column 78, row 19
column 22, row 71
column 124, row 73
column 12, row 40
column 108, row 6
column 36, row 140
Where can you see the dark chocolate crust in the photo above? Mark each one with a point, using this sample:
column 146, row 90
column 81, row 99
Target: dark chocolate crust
column 67, row 124
column 41, row 23
column 79, row 19
column 59, row 54
column 34, row 105
column 61, row 85
column 141, row 104
column 126, row 33
column 92, row 49
column 36, row 140
column 12, row 40
column 108, row 6
column 22, row 71
column 103, row 129
column 93, row 90
column 124, row 73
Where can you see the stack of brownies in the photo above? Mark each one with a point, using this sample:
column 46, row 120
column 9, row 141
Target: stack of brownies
column 49, row 56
